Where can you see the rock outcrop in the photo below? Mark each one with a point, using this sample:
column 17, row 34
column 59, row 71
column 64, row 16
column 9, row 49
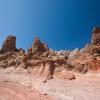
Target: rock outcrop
column 95, row 48
column 45, row 62
column 39, row 47
column 7, row 59
column 83, row 60
column 96, row 36
column 9, row 44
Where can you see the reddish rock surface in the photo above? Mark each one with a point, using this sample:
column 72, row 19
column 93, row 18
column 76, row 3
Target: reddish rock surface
column 45, row 63
column 21, row 86
column 96, row 36
column 9, row 44
column 16, row 91
column 38, row 46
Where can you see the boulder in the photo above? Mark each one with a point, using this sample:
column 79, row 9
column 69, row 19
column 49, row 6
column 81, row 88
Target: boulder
column 66, row 75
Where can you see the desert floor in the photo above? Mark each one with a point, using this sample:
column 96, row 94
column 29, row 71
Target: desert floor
column 23, row 86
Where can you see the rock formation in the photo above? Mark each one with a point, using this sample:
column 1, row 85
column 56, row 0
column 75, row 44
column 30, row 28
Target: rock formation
column 95, row 48
column 43, row 61
column 9, row 44
column 82, row 59
column 38, row 46
column 96, row 36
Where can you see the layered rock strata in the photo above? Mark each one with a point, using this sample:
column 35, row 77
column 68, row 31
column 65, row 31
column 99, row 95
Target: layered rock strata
column 43, row 61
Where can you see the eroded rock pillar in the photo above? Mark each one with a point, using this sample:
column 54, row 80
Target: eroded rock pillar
column 49, row 69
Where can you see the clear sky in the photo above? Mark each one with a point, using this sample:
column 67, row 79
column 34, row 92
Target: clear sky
column 63, row 24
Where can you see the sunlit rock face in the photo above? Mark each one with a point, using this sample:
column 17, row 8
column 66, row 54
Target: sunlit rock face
column 86, row 59
column 49, row 63
column 9, row 44
column 74, row 54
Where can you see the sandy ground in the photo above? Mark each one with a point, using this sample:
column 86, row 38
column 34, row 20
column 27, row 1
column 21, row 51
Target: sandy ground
column 23, row 87
column 17, row 87
column 14, row 91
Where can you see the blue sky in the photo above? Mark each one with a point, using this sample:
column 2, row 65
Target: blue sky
column 63, row 24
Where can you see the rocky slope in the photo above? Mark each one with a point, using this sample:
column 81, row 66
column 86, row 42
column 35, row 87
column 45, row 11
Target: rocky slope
column 43, row 61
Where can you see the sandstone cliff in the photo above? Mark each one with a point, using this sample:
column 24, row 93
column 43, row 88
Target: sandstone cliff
column 43, row 61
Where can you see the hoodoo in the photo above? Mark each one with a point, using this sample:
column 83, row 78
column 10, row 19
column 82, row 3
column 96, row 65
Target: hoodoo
column 9, row 44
